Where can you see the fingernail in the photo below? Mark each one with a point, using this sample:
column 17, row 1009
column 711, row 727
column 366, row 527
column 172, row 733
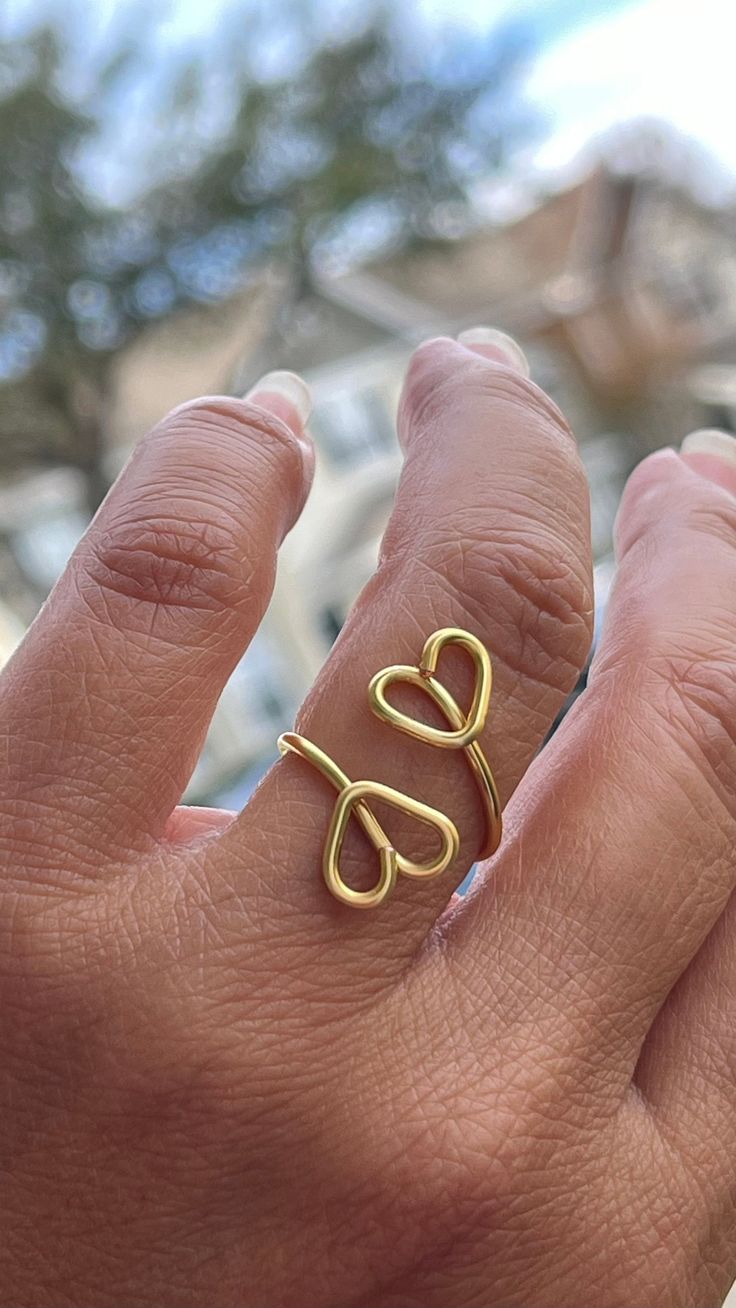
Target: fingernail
column 285, row 386
column 500, row 341
column 710, row 440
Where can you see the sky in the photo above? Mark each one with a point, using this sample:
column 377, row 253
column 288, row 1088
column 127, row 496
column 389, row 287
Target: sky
column 671, row 59
column 598, row 62
column 603, row 62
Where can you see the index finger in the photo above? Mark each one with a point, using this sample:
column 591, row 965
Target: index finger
column 106, row 703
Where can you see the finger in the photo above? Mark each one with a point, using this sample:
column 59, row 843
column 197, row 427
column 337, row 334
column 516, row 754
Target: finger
column 188, row 823
column 489, row 533
column 687, row 1069
column 106, row 704
column 621, row 856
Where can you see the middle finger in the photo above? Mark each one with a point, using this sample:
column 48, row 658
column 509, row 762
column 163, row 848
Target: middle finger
column 489, row 533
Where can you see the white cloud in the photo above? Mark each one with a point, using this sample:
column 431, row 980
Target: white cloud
column 671, row 59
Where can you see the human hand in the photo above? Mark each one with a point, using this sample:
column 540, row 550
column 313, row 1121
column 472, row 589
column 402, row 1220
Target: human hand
column 223, row 1088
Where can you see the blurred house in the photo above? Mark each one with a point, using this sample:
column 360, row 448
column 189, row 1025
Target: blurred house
column 622, row 289
column 627, row 279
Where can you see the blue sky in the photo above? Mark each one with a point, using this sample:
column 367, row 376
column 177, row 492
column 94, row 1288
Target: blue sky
column 599, row 62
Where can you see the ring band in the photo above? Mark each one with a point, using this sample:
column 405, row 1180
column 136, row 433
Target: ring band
column 353, row 796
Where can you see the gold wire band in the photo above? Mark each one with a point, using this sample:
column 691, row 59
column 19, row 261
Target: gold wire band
column 353, row 795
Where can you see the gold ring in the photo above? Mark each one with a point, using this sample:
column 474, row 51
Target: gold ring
column 353, row 796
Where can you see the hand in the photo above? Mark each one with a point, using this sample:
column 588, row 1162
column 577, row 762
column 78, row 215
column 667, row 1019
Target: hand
column 221, row 1087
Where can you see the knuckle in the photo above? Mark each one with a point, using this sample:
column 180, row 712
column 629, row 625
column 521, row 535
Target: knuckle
column 663, row 502
column 194, row 526
column 165, row 564
column 699, row 705
column 674, row 632
column 227, row 422
column 537, row 592
column 438, row 382
column 522, row 400
column 716, row 517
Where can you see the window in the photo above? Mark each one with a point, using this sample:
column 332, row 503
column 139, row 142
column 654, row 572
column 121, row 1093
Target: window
column 354, row 426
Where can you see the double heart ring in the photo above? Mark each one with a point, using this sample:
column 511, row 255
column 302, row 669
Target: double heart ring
column 353, row 796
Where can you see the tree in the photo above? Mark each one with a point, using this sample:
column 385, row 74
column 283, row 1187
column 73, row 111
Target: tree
column 365, row 139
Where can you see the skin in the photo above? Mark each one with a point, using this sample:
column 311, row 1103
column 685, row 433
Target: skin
column 221, row 1087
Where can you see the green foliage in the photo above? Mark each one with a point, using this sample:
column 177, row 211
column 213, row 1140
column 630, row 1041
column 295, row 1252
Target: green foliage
column 361, row 143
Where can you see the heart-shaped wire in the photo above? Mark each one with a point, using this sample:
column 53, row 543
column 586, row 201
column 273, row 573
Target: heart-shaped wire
column 470, row 725
column 391, row 861
column 465, row 729
column 352, row 796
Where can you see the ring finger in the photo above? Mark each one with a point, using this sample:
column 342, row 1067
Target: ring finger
column 620, row 863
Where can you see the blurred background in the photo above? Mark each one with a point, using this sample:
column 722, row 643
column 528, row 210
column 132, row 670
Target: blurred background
column 191, row 195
